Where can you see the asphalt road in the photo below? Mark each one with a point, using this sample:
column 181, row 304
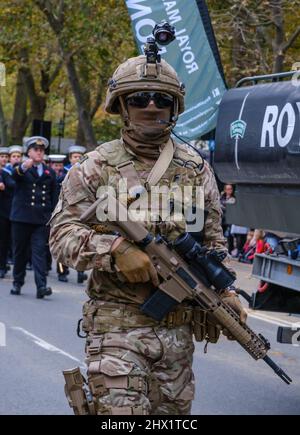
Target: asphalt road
column 41, row 341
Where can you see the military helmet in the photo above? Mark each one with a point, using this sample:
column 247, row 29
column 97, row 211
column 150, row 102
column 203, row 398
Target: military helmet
column 137, row 75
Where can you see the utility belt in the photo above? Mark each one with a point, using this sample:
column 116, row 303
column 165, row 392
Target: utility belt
column 100, row 317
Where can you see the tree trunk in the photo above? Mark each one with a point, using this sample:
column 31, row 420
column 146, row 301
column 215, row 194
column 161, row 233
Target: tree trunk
column 238, row 54
column 83, row 113
column 277, row 13
column 38, row 103
column 19, row 121
column 86, row 94
column 3, row 126
column 56, row 22
column 80, row 139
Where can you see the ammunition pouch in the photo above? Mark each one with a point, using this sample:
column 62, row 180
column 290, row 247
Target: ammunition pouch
column 179, row 317
column 77, row 393
column 204, row 326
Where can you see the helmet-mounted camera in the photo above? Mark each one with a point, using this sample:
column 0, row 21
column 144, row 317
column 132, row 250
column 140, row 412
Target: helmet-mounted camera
column 163, row 34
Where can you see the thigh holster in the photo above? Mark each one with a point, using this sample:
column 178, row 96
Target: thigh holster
column 77, row 393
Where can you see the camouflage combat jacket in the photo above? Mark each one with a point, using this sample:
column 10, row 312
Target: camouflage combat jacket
column 83, row 247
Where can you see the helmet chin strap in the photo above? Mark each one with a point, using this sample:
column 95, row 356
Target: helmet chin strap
column 124, row 112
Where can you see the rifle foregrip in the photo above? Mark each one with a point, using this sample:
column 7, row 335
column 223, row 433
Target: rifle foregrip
column 251, row 342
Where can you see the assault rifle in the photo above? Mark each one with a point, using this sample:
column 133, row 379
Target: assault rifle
column 180, row 266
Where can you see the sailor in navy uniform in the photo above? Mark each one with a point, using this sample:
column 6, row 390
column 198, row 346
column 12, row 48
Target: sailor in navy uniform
column 56, row 162
column 15, row 156
column 34, row 200
column 6, row 195
column 75, row 153
column 4, row 156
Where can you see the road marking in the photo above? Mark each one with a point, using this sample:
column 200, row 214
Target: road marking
column 270, row 319
column 47, row 346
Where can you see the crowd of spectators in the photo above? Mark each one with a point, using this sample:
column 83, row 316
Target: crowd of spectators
column 243, row 243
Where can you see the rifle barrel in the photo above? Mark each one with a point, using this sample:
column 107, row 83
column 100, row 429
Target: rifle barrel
column 279, row 372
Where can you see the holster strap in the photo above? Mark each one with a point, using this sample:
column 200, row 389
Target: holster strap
column 95, row 346
column 99, row 385
column 123, row 410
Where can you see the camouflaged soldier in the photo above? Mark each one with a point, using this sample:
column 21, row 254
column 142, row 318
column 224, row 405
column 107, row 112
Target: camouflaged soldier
column 136, row 365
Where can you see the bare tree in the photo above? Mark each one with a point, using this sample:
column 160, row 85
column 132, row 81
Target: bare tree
column 56, row 19
column 255, row 37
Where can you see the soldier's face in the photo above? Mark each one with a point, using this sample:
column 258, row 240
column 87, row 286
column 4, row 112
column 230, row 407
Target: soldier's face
column 37, row 154
column 15, row 158
column 74, row 158
column 150, row 108
column 3, row 159
column 57, row 167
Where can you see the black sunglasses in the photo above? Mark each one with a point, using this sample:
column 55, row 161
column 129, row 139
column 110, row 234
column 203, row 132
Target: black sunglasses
column 142, row 100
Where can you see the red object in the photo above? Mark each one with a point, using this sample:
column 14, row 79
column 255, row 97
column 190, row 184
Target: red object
column 263, row 287
column 261, row 247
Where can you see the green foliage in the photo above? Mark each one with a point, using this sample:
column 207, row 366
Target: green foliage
column 98, row 35
column 252, row 33
column 108, row 128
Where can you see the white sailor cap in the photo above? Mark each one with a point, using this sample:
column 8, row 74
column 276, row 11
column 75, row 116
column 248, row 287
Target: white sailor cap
column 16, row 149
column 57, row 158
column 76, row 149
column 36, row 141
column 4, row 150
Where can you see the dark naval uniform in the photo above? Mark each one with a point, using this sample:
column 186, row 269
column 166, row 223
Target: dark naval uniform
column 76, row 149
column 67, row 167
column 6, row 197
column 34, row 200
column 59, row 179
column 62, row 270
column 60, row 173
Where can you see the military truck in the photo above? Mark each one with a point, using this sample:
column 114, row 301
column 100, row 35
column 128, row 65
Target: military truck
column 258, row 150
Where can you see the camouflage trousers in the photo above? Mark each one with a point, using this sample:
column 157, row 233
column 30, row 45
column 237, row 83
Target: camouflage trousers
column 147, row 371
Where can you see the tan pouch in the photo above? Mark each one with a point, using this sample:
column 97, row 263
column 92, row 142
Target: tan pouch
column 88, row 313
column 204, row 326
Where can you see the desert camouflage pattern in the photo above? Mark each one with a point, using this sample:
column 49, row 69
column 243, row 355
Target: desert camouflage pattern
column 142, row 371
column 129, row 343
column 136, row 75
column 83, row 247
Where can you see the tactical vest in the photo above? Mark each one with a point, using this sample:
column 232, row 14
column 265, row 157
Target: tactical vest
column 182, row 170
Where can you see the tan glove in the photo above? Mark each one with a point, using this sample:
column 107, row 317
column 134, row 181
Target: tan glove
column 232, row 299
column 135, row 265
